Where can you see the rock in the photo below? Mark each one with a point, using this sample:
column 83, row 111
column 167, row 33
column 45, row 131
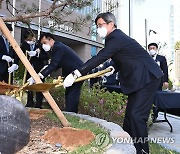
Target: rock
column 58, row 145
column 14, row 125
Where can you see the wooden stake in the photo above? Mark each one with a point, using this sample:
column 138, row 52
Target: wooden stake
column 32, row 72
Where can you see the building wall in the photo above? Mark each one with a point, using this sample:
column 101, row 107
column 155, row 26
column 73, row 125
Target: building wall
column 17, row 35
column 174, row 25
column 106, row 6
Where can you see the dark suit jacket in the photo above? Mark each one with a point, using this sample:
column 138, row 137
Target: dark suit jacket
column 136, row 66
column 63, row 57
column 3, row 51
column 161, row 60
column 163, row 66
column 37, row 62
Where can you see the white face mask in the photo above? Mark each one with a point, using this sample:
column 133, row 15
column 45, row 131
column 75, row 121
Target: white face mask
column 30, row 42
column 102, row 31
column 46, row 47
column 152, row 52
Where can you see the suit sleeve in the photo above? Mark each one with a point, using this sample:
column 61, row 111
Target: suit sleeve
column 1, row 43
column 165, row 70
column 43, row 55
column 16, row 58
column 56, row 59
column 1, row 56
column 104, row 54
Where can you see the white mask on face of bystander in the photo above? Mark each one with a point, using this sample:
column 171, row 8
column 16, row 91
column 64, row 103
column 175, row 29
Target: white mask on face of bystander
column 46, row 47
column 30, row 42
column 152, row 52
column 102, row 31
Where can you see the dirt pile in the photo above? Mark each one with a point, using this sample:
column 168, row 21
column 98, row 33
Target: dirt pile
column 69, row 138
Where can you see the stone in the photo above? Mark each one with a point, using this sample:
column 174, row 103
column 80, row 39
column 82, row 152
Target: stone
column 111, row 126
column 119, row 133
column 14, row 125
column 58, row 145
column 121, row 149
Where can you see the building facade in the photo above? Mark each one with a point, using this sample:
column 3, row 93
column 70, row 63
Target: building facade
column 174, row 37
column 174, row 25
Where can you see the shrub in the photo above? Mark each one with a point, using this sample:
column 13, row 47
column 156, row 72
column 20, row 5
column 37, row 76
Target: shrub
column 99, row 102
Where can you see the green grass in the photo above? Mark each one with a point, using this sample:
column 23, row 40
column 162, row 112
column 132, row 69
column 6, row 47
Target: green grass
column 157, row 149
column 93, row 148
column 76, row 122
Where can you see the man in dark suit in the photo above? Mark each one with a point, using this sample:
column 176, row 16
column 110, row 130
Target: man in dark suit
column 63, row 57
column 139, row 76
column 38, row 59
column 161, row 61
column 8, row 58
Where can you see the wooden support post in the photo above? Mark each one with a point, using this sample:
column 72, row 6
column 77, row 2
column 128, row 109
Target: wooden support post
column 32, row 72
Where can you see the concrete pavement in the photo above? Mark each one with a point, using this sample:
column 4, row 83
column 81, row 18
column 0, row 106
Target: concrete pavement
column 162, row 132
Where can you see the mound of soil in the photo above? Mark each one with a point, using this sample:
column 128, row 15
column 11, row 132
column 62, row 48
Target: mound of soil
column 69, row 138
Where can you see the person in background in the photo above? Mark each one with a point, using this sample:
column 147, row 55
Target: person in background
column 38, row 59
column 139, row 76
column 162, row 62
column 63, row 57
column 112, row 79
column 97, row 80
column 8, row 58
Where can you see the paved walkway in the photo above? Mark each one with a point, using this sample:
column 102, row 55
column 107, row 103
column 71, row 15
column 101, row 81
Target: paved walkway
column 162, row 130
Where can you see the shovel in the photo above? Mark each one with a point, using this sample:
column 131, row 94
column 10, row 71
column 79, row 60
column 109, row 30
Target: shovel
column 41, row 87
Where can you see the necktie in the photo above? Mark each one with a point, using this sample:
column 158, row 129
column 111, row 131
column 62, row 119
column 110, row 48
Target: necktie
column 7, row 45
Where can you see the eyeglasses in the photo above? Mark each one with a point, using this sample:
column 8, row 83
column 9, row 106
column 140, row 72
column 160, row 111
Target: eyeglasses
column 100, row 25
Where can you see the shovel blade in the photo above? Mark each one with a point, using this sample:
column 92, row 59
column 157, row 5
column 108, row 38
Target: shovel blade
column 40, row 87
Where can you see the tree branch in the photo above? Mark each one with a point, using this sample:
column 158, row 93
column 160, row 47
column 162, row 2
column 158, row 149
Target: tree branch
column 48, row 11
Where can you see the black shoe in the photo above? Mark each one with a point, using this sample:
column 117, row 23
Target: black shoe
column 38, row 104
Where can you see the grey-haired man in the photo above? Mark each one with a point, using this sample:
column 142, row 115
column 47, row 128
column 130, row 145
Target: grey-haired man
column 140, row 76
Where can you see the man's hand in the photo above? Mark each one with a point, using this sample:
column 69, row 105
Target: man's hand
column 31, row 81
column 40, row 75
column 110, row 73
column 13, row 68
column 69, row 80
column 7, row 58
column 32, row 53
column 165, row 85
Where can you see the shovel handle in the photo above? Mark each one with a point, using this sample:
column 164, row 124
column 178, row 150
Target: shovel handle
column 89, row 76
column 9, row 75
